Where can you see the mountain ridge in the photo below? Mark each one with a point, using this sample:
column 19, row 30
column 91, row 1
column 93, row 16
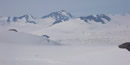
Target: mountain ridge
column 59, row 16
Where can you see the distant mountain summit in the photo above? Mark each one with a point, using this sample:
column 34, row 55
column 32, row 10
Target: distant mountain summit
column 59, row 16
column 55, row 18
column 97, row 18
column 27, row 19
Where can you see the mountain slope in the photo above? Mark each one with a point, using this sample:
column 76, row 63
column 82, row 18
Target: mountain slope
column 78, row 32
column 59, row 16
column 20, row 38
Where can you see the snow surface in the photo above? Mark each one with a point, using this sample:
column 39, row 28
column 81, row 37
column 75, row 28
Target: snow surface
column 22, row 38
column 62, row 55
column 78, row 32
column 75, row 42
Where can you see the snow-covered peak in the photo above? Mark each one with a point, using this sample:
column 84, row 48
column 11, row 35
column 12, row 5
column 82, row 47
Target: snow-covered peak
column 25, row 18
column 59, row 16
column 65, row 13
column 97, row 18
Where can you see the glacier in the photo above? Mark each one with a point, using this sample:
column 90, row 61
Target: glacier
column 62, row 39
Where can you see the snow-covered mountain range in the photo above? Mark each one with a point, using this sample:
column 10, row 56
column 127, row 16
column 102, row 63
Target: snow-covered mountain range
column 60, row 38
column 65, row 28
column 56, row 17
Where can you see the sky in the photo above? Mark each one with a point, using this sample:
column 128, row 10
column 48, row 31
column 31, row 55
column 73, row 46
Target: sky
column 40, row 8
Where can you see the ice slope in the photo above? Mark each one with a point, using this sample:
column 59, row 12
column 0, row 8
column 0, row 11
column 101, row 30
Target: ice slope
column 18, row 48
column 22, row 38
column 78, row 32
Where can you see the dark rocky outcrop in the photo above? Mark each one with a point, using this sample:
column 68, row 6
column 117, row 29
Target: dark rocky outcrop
column 97, row 18
column 125, row 46
column 46, row 36
column 13, row 30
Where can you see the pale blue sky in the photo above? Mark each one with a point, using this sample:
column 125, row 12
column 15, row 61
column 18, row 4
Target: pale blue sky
column 75, row 7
